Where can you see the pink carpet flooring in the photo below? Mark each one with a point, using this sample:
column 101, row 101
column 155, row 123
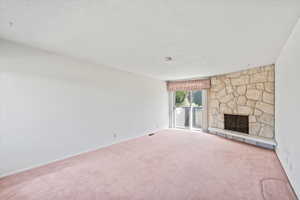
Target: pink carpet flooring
column 171, row 165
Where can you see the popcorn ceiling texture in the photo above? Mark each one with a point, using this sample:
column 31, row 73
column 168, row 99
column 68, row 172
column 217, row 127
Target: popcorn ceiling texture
column 250, row 92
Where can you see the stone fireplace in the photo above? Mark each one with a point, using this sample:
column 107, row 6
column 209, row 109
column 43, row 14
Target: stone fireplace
column 247, row 93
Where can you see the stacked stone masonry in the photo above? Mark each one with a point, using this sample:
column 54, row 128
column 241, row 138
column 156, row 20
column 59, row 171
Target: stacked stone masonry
column 249, row 92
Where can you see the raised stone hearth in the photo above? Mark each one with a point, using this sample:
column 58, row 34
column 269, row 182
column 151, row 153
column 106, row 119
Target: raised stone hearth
column 254, row 140
column 249, row 92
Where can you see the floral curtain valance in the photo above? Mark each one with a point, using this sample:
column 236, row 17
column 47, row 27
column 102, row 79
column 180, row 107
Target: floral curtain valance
column 188, row 85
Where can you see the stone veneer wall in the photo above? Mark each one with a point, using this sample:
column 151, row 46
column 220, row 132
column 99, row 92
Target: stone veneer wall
column 249, row 92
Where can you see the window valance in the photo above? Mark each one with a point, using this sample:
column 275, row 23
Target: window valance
column 188, row 85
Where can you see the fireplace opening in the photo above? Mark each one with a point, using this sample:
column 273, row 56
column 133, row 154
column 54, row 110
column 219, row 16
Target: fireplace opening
column 239, row 123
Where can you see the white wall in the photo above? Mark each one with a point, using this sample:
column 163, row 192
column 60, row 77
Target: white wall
column 287, row 125
column 53, row 107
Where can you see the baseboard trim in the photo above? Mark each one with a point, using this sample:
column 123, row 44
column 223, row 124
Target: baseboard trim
column 76, row 154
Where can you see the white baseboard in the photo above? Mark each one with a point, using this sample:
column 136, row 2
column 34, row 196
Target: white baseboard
column 75, row 154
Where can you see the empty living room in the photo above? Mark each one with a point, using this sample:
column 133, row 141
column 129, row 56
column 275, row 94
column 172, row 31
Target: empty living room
column 149, row 100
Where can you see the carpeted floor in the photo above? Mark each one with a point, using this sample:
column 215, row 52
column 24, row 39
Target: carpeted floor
column 170, row 165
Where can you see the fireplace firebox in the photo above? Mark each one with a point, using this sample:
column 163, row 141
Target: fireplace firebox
column 239, row 123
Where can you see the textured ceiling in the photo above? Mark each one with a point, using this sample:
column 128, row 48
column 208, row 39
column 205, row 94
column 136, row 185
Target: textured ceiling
column 203, row 37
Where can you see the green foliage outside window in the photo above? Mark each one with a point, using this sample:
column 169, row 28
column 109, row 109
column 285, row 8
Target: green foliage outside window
column 183, row 98
column 180, row 97
column 197, row 98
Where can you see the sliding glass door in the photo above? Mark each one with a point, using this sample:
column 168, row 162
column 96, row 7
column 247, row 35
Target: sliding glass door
column 188, row 109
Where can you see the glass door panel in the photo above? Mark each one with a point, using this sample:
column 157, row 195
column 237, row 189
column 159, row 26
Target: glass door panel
column 182, row 117
column 197, row 108
column 182, row 109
